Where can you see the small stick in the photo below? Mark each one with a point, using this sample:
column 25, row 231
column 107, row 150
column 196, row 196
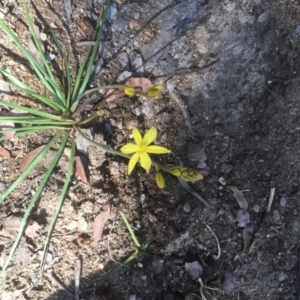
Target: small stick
column 271, row 198
column 219, row 248
column 77, row 279
column 86, row 43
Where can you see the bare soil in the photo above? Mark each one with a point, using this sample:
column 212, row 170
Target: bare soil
column 230, row 72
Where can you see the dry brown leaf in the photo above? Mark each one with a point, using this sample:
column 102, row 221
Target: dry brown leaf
column 113, row 94
column 80, row 170
column 4, row 153
column 29, row 157
column 100, row 221
column 32, row 230
column 139, row 82
column 10, row 226
column 238, row 195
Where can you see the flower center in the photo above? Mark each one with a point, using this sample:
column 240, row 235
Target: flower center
column 143, row 148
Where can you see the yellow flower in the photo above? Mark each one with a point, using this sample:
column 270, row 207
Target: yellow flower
column 187, row 174
column 141, row 149
column 130, row 91
column 160, row 180
column 154, row 91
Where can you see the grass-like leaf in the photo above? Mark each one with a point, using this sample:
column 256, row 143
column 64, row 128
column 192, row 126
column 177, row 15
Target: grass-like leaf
column 30, row 110
column 35, row 198
column 19, row 85
column 59, row 203
column 34, row 162
column 43, row 56
column 139, row 251
column 80, row 85
column 135, row 240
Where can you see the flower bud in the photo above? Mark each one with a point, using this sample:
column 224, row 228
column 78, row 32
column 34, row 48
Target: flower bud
column 154, row 91
column 129, row 91
column 160, row 180
column 186, row 174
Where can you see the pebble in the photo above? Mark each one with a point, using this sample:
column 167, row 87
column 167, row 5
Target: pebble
column 187, row 207
column 111, row 13
column 124, row 61
column 222, row 180
column 137, row 63
column 283, row 202
column 256, row 208
column 123, row 75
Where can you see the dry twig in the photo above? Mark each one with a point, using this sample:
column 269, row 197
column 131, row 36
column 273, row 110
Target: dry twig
column 271, row 198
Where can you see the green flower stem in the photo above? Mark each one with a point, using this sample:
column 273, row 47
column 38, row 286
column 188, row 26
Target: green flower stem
column 97, row 114
column 116, row 152
column 88, row 92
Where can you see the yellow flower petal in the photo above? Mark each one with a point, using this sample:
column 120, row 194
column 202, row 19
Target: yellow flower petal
column 157, row 149
column 132, row 162
column 160, row 180
column 130, row 148
column 145, row 161
column 149, row 136
column 137, row 136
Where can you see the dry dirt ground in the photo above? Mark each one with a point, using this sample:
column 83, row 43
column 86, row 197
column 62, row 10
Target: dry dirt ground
column 230, row 72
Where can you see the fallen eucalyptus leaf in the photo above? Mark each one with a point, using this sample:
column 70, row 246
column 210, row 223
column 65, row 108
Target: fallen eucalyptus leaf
column 238, row 195
column 100, row 221
column 4, row 153
column 80, row 170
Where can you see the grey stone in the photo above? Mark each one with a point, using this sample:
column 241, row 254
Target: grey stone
column 124, row 75
column 124, row 61
column 283, row 202
column 137, row 64
column 111, row 13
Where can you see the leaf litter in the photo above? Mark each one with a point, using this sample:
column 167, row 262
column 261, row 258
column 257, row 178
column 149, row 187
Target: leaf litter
column 100, row 222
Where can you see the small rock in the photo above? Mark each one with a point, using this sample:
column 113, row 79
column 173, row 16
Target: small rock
column 72, row 225
column 196, row 152
column 256, row 208
column 120, row 23
column 201, row 165
column 136, row 15
column 111, row 13
column 137, row 63
column 283, row 202
column 124, row 75
column 187, row 208
column 222, row 180
column 124, row 61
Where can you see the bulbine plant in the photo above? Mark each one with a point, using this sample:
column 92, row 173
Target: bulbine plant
column 61, row 115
